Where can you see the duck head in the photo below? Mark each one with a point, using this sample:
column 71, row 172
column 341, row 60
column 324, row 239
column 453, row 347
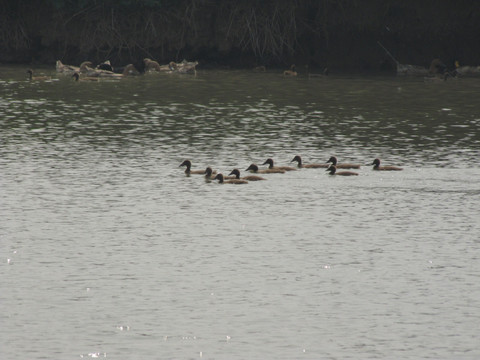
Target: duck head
column 332, row 168
column 269, row 161
column 235, row 172
column 252, row 167
column 332, row 160
column 219, row 177
column 297, row 158
column 186, row 163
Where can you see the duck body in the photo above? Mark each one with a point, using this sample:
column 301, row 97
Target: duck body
column 269, row 161
column 376, row 166
column 236, row 174
column 66, row 69
column 333, row 171
column 254, row 168
column 221, row 180
column 301, row 165
column 189, row 171
column 290, row 72
column 77, row 77
column 334, row 162
column 36, row 78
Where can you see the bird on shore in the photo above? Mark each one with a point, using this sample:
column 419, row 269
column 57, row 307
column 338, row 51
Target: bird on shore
column 269, row 161
column 291, row 71
column 236, row 173
column 376, row 166
column 298, row 159
column 333, row 160
column 333, row 171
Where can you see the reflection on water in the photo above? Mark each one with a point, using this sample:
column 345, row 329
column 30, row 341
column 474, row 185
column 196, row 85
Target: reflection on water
column 110, row 251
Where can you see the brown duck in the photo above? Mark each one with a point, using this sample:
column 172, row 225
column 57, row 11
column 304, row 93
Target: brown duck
column 298, row 159
column 333, row 171
column 333, row 160
column 221, row 180
column 269, row 161
column 254, row 168
column 236, row 172
column 376, row 166
column 189, row 171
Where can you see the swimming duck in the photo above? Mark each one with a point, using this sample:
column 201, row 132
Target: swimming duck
column 188, row 170
column 333, row 160
column 269, row 161
column 333, row 171
column 236, row 172
column 36, row 78
column 376, row 166
column 221, row 180
column 254, row 168
column 298, row 159
column 290, row 72
column 77, row 77
column 210, row 174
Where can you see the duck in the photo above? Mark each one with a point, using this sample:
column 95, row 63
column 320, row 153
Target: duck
column 151, row 65
column 333, row 171
column 210, row 174
column 129, row 69
column 221, row 180
column 254, row 168
column 189, row 171
column 36, row 78
column 236, row 172
column 77, row 77
column 67, row 69
column 290, row 72
column 437, row 67
column 324, row 73
column 376, row 166
column 86, row 68
column 465, row 70
column 298, row 159
column 269, row 161
column 333, row 160
column 106, row 65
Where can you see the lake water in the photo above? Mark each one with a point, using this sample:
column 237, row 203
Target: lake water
column 109, row 251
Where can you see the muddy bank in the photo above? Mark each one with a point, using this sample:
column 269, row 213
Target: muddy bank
column 341, row 35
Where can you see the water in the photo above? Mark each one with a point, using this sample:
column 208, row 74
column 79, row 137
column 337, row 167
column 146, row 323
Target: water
column 108, row 250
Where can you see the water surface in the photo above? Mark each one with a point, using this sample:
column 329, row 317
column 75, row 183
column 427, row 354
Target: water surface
column 109, row 250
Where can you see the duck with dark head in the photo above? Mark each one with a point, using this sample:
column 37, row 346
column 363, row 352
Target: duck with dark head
column 188, row 171
column 221, row 180
column 236, row 173
column 376, row 166
column 333, row 160
column 298, row 159
column 254, row 169
column 269, row 161
column 333, row 171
